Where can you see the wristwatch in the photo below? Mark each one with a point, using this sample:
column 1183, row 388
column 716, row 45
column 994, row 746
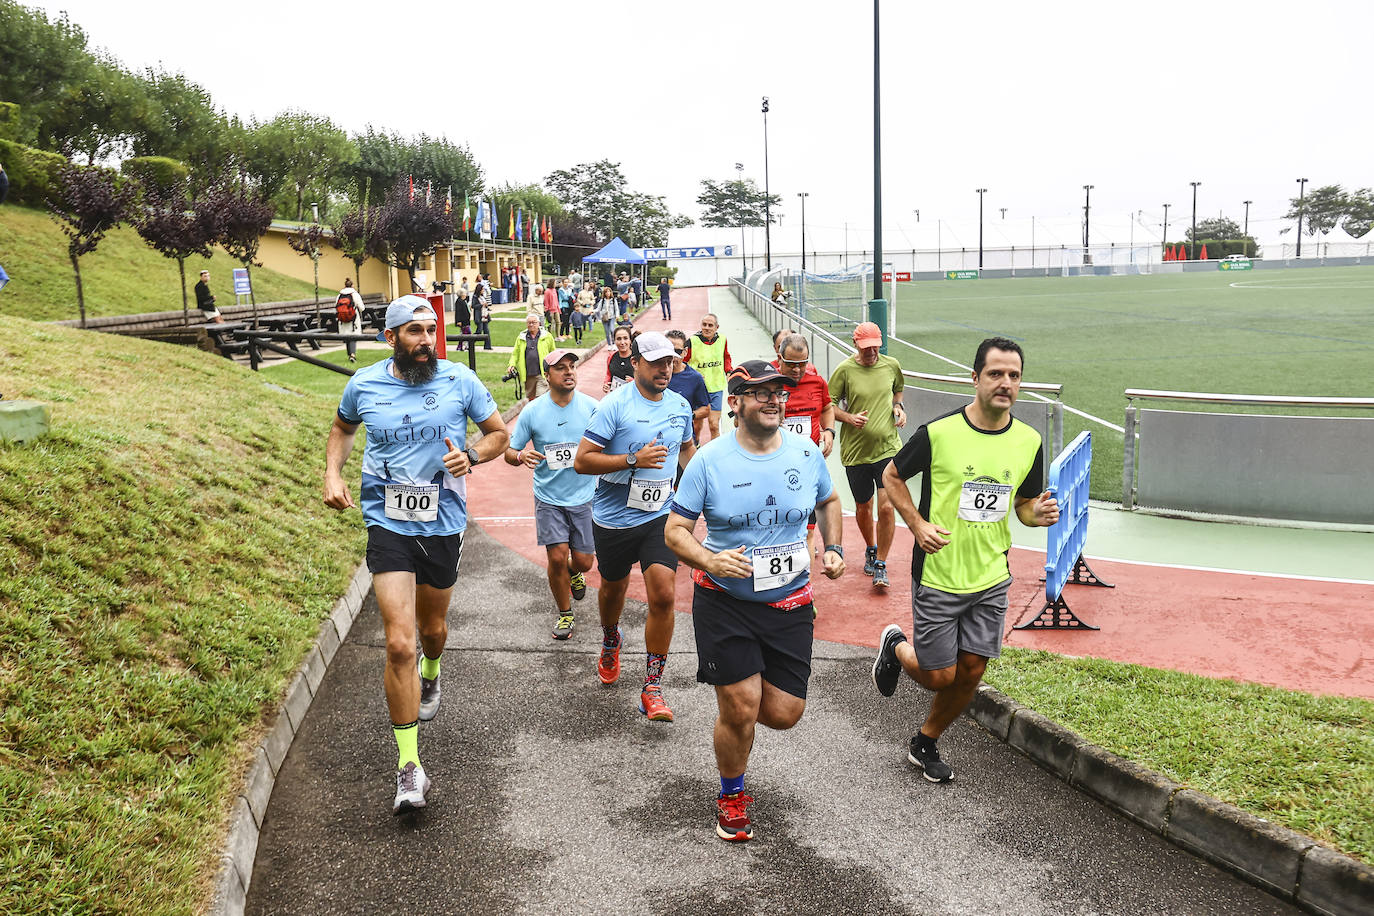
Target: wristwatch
column 473, row 459
column 837, row 548
column 631, row 460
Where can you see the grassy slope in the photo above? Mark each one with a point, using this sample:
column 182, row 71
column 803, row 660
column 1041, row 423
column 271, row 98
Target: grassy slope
column 166, row 562
column 121, row 277
column 1306, row 333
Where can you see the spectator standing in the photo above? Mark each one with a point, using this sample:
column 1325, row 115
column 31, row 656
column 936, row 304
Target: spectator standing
column 551, row 309
column 606, row 311
column 567, row 299
column 462, row 311
column 483, row 310
column 527, row 357
column 664, row 306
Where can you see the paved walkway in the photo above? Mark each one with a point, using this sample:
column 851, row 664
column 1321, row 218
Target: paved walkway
column 553, row 794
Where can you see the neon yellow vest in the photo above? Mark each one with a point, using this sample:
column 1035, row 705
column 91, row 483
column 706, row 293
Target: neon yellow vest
column 709, row 360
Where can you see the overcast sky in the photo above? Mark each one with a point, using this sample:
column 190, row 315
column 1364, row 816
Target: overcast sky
column 1029, row 100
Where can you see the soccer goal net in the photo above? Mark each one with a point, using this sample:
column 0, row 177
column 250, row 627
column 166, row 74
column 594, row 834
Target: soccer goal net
column 1107, row 260
column 837, row 300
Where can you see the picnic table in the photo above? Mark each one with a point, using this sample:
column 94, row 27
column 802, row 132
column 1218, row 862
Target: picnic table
column 374, row 316
column 290, row 321
column 222, row 333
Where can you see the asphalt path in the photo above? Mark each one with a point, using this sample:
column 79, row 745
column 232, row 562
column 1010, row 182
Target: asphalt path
column 553, row 794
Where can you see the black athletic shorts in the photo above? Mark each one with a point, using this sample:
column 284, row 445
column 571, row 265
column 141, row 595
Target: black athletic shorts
column 864, row 478
column 433, row 560
column 737, row 639
column 619, row 549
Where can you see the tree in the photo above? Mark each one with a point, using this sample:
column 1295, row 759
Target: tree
column 1320, row 210
column 87, row 203
column 733, row 204
column 645, row 220
column 241, row 214
column 355, row 234
column 42, row 62
column 1359, row 212
column 598, row 195
column 383, row 159
column 306, row 241
column 98, row 117
column 172, row 225
column 181, row 121
column 297, row 155
column 410, row 228
column 1215, row 227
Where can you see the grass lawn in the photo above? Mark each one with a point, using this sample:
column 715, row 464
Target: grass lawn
column 1280, row 332
column 121, row 277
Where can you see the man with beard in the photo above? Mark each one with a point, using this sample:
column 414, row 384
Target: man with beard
column 414, row 502
column 752, row 604
column 869, row 386
column 639, row 435
column 545, row 441
column 976, row 464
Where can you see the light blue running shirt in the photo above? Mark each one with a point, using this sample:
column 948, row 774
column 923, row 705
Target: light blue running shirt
column 625, row 422
column 556, row 432
column 760, row 504
column 405, row 487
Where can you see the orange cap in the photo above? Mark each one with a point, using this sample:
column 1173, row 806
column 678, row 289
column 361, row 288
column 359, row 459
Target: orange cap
column 868, row 335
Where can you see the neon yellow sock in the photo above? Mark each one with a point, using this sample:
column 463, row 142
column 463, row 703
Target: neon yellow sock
column 429, row 667
column 407, row 744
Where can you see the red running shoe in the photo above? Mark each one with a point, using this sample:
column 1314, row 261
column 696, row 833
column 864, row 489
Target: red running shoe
column 608, row 665
column 652, row 705
column 732, row 821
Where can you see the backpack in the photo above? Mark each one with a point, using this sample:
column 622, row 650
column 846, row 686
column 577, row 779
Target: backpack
column 344, row 308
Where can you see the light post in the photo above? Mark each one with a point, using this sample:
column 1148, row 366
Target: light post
column 1004, row 212
column 1246, row 231
column 1302, row 186
column 767, row 212
column 877, row 306
column 918, row 215
column 803, row 195
column 1192, row 247
column 1166, row 225
column 981, row 192
column 743, row 264
column 1087, row 207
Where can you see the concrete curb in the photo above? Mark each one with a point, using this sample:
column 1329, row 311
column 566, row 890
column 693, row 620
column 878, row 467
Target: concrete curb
column 250, row 806
column 1285, row 863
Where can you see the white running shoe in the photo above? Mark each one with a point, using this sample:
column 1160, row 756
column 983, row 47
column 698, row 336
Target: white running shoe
column 411, row 786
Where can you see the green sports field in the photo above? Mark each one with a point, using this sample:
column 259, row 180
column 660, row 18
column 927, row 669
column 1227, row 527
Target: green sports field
column 1302, row 331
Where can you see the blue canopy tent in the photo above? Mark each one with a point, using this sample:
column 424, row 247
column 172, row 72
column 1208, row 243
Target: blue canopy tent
column 615, row 252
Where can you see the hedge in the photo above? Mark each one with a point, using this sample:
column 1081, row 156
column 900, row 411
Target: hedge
column 32, row 172
column 155, row 171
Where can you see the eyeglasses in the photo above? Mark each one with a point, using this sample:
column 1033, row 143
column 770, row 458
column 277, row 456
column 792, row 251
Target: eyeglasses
column 678, row 352
column 764, row 395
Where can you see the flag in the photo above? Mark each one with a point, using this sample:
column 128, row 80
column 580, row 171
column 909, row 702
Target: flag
column 411, row 179
column 480, row 206
column 519, row 228
column 550, row 232
column 467, row 212
column 448, row 201
column 510, row 222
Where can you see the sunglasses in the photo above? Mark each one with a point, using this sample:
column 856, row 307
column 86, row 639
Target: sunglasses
column 679, row 352
column 794, row 362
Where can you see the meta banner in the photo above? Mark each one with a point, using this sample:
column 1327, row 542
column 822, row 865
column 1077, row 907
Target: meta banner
column 675, row 254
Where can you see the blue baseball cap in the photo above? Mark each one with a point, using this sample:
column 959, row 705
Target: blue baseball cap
column 407, row 309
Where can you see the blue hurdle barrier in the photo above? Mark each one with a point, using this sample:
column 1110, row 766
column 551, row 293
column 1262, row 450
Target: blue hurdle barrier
column 1064, row 565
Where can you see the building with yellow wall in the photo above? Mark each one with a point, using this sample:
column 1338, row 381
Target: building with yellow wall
column 460, row 260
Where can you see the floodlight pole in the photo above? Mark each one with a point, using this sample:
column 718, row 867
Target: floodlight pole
column 1302, row 186
column 981, row 192
column 803, row 195
column 743, row 264
column 1246, row 231
column 1087, row 207
column 1166, row 225
column 1192, row 250
column 767, row 202
column 877, row 306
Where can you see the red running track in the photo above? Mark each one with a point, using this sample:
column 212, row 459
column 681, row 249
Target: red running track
column 1301, row 634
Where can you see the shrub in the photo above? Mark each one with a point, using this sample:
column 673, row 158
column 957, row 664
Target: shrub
column 155, row 173
column 658, row 273
column 32, row 172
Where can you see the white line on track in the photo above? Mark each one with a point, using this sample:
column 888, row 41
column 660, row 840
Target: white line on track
column 1216, row 569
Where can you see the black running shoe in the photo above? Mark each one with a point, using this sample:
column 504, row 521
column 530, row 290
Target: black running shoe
column 886, row 669
column 563, row 628
column 579, row 586
column 927, row 757
column 870, row 557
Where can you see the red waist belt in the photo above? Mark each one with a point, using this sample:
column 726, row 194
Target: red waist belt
column 800, row 598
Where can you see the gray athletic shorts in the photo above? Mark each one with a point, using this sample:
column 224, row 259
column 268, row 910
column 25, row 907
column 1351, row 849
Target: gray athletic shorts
column 571, row 525
column 945, row 624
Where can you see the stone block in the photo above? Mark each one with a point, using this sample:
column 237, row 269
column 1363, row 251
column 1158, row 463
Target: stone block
column 1047, row 743
column 1262, row 852
column 22, row 421
column 1139, row 793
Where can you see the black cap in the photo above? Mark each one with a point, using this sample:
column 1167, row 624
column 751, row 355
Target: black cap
column 755, row 372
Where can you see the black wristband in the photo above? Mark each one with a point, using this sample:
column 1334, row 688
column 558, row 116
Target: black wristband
column 829, row 429
column 837, row 548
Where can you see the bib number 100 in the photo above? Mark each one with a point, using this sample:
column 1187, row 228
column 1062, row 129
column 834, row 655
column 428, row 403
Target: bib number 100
column 412, row 502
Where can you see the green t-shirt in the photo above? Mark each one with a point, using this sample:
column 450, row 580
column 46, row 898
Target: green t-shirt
column 868, row 388
column 970, row 480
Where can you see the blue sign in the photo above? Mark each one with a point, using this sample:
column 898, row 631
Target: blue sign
column 241, row 285
column 665, row 254
column 4, row 278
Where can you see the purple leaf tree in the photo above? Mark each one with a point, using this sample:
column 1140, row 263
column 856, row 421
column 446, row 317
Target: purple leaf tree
column 411, row 228
column 87, row 203
column 241, row 215
column 175, row 227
